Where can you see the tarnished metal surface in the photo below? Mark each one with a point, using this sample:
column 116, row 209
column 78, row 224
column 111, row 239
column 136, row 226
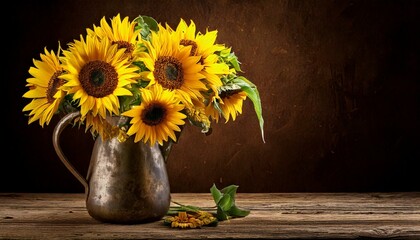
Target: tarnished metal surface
column 127, row 182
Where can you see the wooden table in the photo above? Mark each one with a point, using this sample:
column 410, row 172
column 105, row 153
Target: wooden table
column 273, row 216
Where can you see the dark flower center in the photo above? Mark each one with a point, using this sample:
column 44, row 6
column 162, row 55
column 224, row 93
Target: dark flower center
column 98, row 78
column 153, row 114
column 53, row 85
column 129, row 47
column 186, row 42
column 168, row 72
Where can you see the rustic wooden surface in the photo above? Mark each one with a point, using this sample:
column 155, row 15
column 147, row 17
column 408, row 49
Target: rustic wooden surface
column 273, row 216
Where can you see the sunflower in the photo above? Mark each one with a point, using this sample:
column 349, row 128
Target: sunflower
column 44, row 88
column 171, row 66
column 229, row 102
column 203, row 45
column 157, row 117
column 122, row 33
column 197, row 116
column 97, row 75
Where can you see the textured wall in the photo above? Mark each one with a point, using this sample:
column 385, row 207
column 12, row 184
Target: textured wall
column 339, row 84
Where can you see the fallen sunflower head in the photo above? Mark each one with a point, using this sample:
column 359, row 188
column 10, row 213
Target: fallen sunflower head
column 191, row 220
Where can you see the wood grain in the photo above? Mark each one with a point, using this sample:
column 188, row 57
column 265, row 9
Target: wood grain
column 273, row 216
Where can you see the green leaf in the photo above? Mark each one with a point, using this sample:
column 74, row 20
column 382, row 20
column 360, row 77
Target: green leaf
column 230, row 190
column 182, row 208
column 253, row 94
column 217, row 195
column 128, row 101
column 234, row 211
column 228, row 57
column 146, row 24
column 234, row 61
column 151, row 22
column 226, row 202
column 172, row 212
column 224, row 53
column 221, row 215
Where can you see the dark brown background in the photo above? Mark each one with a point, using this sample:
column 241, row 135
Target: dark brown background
column 339, row 84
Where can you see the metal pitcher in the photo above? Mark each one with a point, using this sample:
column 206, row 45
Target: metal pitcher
column 126, row 182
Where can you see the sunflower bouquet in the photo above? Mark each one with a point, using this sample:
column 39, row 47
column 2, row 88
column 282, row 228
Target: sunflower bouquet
column 156, row 76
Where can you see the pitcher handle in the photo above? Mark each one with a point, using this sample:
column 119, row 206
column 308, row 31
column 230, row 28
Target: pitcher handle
column 61, row 125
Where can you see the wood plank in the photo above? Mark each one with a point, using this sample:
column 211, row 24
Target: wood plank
column 273, row 216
